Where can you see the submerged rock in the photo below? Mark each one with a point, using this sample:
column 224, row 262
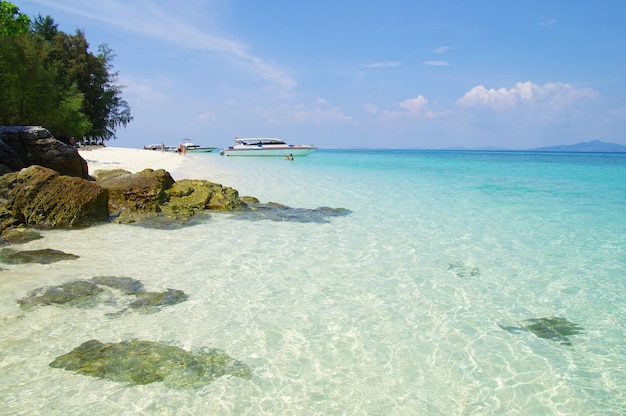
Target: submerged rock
column 43, row 256
column 277, row 212
column 150, row 301
column 126, row 285
column 20, row 235
column 86, row 293
column 463, row 270
column 76, row 291
column 162, row 220
column 139, row 362
column 552, row 328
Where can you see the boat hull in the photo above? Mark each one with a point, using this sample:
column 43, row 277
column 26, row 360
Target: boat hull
column 201, row 149
column 191, row 149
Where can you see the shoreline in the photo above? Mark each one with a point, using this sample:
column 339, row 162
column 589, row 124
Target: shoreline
column 136, row 160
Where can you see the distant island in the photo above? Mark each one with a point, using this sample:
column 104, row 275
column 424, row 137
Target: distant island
column 594, row 146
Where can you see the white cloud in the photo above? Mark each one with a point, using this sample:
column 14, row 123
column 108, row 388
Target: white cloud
column 441, row 49
column 205, row 117
column 552, row 95
column 317, row 114
column 386, row 64
column 151, row 19
column 370, row 108
column 547, row 22
column 144, row 90
column 417, row 107
column 436, row 63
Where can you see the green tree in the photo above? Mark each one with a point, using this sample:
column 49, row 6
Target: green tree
column 110, row 110
column 45, row 27
column 31, row 92
column 50, row 78
column 95, row 78
column 12, row 22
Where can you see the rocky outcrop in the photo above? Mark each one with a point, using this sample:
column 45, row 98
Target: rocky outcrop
column 144, row 191
column 194, row 195
column 43, row 198
column 45, row 184
column 23, row 146
column 152, row 196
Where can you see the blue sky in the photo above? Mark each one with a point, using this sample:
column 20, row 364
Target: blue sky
column 513, row 74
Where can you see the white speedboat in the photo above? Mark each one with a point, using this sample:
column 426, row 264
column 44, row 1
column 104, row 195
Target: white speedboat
column 189, row 147
column 195, row 148
column 265, row 146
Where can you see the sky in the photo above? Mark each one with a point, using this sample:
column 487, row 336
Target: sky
column 342, row 74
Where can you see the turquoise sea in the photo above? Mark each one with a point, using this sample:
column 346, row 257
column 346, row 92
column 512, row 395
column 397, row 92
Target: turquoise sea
column 405, row 306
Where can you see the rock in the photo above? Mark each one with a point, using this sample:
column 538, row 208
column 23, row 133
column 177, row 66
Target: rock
column 552, row 328
column 86, row 292
column 143, row 191
column 150, row 301
column 160, row 221
column 20, row 235
column 189, row 195
column 43, row 198
column 277, row 212
column 126, row 285
column 39, row 197
column 249, row 200
column 44, row 256
column 23, row 146
column 138, row 362
column 463, row 270
column 75, row 291
column 151, row 198
column 7, row 182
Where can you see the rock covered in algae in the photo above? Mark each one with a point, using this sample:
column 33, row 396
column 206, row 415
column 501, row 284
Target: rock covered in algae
column 161, row 220
column 75, row 292
column 155, row 299
column 85, row 293
column 43, row 256
column 20, row 235
column 142, row 362
column 46, row 199
column 126, row 285
column 277, row 212
column 552, row 328
column 463, row 270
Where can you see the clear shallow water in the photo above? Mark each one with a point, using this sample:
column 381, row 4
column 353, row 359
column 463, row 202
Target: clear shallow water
column 392, row 310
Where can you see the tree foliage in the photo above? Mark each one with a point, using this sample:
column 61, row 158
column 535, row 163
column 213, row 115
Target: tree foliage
column 50, row 78
column 12, row 22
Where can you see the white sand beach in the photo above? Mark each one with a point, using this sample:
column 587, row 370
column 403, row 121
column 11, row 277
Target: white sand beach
column 132, row 160
column 187, row 166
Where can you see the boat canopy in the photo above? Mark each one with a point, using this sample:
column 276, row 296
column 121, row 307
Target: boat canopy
column 259, row 141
